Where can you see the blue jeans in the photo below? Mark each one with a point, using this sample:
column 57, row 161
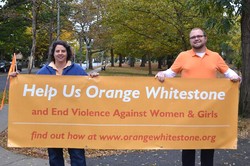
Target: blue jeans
column 77, row 157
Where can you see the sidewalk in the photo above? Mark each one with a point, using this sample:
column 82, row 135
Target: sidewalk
column 8, row 158
column 239, row 157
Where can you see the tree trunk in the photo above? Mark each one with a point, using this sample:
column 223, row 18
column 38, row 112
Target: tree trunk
column 120, row 60
column 90, row 59
column 160, row 59
column 80, row 50
column 88, row 42
column 143, row 61
column 112, row 57
column 33, row 49
column 244, row 108
column 149, row 65
column 170, row 60
column 58, row 20
column 132, row 61
column 51, row 24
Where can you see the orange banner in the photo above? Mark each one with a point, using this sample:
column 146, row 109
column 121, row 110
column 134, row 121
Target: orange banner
column 122, row 112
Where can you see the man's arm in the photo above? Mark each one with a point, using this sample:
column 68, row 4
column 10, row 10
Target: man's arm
column 169, row 73
column 232, row 75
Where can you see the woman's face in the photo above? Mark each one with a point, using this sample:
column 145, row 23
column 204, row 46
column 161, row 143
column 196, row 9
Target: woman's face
column 60, row 54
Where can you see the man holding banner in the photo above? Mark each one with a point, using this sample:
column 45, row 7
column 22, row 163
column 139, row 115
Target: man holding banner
column 198, row 62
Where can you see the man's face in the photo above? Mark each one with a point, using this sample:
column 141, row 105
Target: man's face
column 197, row 39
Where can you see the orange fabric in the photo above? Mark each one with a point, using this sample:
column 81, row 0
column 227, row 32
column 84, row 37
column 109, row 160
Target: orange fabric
column 13, row 65
column 12, row 69
column 192, row 66
column 116, row 113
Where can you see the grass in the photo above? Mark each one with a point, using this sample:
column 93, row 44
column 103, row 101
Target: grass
column 126, row 70
column 6, row 99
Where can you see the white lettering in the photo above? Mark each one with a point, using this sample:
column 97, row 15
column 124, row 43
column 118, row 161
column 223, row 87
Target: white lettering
column 125, row 95
column 47, row 91
column 172, row 93
column 73, row 91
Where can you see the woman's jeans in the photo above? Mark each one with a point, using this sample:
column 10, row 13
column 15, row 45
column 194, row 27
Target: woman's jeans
column 77, row 157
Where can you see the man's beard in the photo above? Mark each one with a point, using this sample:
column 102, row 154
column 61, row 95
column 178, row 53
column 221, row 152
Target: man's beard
column 198, row 47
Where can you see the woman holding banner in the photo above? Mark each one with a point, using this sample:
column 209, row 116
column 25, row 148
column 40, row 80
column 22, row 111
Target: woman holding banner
column 60, row 55
column 199, row 62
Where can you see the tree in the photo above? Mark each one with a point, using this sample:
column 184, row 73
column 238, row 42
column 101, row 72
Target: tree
column 14, row 26
column 152, row 29
column 48, row 28
column 33, row 48
column 84, row 16
column 230, row 10
column 245, row 42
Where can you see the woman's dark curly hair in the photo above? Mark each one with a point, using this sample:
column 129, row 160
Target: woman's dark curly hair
column 64, row 44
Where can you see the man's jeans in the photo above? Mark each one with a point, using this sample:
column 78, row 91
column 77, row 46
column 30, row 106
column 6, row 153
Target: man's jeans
column 77, row 157
column 207, row 157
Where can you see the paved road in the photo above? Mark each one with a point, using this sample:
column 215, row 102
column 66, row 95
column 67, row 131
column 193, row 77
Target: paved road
column 2, row 81
column 240, row 157
column 3, row 77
